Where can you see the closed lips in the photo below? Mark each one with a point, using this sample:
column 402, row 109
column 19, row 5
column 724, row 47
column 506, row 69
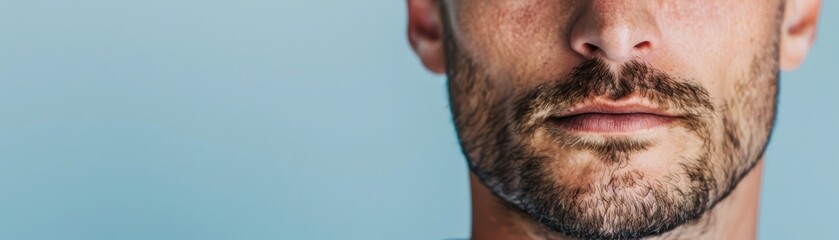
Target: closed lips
column 612, row 118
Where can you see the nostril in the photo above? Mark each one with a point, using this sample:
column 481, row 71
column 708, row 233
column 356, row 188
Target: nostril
column 590, row 48
column 642, row 48
column 643, row 45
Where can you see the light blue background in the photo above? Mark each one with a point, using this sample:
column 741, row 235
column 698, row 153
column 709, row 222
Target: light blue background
column 259, row 119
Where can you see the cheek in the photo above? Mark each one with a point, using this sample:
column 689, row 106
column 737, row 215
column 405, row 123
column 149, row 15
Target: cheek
column 734, row 32
column 523, row 42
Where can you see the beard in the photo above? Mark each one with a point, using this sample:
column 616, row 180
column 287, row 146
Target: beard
column 514, row 147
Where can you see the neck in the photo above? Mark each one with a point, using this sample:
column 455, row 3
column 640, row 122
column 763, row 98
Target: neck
column 735, row 217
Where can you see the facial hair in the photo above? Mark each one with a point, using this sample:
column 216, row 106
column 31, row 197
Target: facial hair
column 497, row 131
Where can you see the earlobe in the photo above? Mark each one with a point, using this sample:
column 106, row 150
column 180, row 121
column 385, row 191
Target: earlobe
column 425, row 33
column 798, row 31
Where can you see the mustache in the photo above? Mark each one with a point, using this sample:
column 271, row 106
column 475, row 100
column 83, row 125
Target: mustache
column 594, row 77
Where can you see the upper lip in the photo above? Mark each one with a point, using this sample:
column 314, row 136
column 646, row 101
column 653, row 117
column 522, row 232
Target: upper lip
column 607, row 107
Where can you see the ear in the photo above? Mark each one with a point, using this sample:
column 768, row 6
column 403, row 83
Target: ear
column 798, row 31
column 425, row 32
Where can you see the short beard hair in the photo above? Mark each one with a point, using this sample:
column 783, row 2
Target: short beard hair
column 496, row 131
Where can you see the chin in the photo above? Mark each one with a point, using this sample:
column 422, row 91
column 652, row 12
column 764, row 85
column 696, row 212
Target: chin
column 616, row 185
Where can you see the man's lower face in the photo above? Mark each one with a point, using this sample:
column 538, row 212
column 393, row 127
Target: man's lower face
column 612, row 154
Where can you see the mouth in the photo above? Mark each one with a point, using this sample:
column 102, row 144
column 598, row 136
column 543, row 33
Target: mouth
column 612, row 118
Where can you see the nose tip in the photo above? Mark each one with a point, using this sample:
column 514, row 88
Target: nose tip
column 618, row 34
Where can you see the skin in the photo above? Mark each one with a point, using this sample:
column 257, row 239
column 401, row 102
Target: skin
column 730, row 50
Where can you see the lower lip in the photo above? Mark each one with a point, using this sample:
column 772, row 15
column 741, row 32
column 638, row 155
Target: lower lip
column 607, row 123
